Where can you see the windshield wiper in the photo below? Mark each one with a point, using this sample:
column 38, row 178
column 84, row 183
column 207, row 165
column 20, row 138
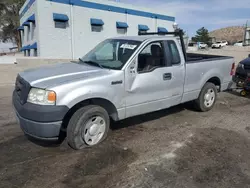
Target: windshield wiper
column 91, row 63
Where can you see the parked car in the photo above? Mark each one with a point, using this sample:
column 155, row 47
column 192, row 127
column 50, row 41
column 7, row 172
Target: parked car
column 192, row 46
column 202, row 45
column 242, row 70
column 120, row 78
column 219, row 44
column 239, row 43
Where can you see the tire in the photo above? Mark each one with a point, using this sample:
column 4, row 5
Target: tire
column 85, row 126
column 200, row 102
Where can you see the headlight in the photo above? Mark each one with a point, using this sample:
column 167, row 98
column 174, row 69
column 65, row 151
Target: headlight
column 42, row 97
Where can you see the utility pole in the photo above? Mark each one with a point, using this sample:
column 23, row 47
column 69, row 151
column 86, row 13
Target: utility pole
column 245, row 34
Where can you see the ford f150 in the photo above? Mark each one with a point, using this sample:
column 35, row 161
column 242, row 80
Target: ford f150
column 120, row 78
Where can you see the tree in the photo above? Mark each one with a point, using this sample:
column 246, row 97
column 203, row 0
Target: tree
column 202, row 35
column 9, row 21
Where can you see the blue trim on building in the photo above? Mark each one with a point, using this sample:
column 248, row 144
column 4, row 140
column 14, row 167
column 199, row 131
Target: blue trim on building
column 20, row 28
column 33, row 46
column 60, row 17
column 111, row 8
column 96, row 22
column 143, row 27
column 26, row 24
column 162, row 30
column 122, row 25
column 27, row 7
column 25, row 48
column 31, row 18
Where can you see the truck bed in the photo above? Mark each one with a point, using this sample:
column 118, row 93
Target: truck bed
column 200, row 68
column 197, row 58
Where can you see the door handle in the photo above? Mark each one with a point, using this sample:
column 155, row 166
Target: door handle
column 167, row 76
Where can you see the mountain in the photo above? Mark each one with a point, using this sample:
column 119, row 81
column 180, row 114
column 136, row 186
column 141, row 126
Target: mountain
column 230, row 34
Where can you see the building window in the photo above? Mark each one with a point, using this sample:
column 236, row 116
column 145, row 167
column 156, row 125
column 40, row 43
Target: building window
column 61, row 25
column 142, row 31
column 35, row 52
column 96, row 24
column 33, row 31
column 121, row 27
column 28, row 34
column 143, row 28
column 122, row 31
column 95, row 28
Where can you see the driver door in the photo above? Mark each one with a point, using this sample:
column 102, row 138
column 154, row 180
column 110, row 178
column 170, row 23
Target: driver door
column 147, row 81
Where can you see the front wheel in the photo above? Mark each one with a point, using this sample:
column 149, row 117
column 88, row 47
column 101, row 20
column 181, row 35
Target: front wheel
column 207, row 97
column 88, row 127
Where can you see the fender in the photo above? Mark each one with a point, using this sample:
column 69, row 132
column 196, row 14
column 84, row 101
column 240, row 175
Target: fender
column 208, row 75
column 113, row 94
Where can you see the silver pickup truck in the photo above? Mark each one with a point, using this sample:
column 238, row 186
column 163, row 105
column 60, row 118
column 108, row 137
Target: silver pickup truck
column 120, row 78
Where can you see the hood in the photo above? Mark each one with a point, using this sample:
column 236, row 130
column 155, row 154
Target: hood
column 57, row 74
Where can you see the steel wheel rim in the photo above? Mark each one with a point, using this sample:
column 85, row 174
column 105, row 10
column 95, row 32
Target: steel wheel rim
column 209, row 98
column 94, row 130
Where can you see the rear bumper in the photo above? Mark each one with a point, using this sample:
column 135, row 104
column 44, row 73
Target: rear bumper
column 226, row 86
column 39, row 130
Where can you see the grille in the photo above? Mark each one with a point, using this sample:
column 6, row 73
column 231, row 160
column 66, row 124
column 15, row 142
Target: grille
column 22, row 88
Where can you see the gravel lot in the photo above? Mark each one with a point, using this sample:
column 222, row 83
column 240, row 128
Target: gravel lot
column 177, row 148
column 173, row 148
column 239, row 53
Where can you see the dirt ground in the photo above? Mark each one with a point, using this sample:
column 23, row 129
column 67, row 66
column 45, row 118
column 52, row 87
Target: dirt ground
column 173, row 148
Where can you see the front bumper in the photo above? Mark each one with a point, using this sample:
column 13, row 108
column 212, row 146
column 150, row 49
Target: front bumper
column 39, row 130
column 39, row 121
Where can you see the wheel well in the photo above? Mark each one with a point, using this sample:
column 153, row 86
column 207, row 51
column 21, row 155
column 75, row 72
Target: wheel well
column 107, row 105
column 216, row 81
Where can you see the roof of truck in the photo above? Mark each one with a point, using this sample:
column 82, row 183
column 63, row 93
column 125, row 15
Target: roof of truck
column 143, row 37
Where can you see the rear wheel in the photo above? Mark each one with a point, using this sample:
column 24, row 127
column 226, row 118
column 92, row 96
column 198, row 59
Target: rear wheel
column 88, row 127
column 207, row 97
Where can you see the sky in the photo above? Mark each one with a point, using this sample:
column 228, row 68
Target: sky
column 194, row 14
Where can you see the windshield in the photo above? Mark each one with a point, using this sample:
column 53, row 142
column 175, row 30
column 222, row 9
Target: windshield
column 218, row 42
column 111, row 53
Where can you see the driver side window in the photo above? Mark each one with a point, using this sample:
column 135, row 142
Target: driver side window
column 151, row 57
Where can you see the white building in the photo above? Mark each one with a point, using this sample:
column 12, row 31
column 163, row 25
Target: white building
column 70, row 28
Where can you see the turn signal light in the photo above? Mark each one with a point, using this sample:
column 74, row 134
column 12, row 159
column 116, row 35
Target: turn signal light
column 52, row 96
